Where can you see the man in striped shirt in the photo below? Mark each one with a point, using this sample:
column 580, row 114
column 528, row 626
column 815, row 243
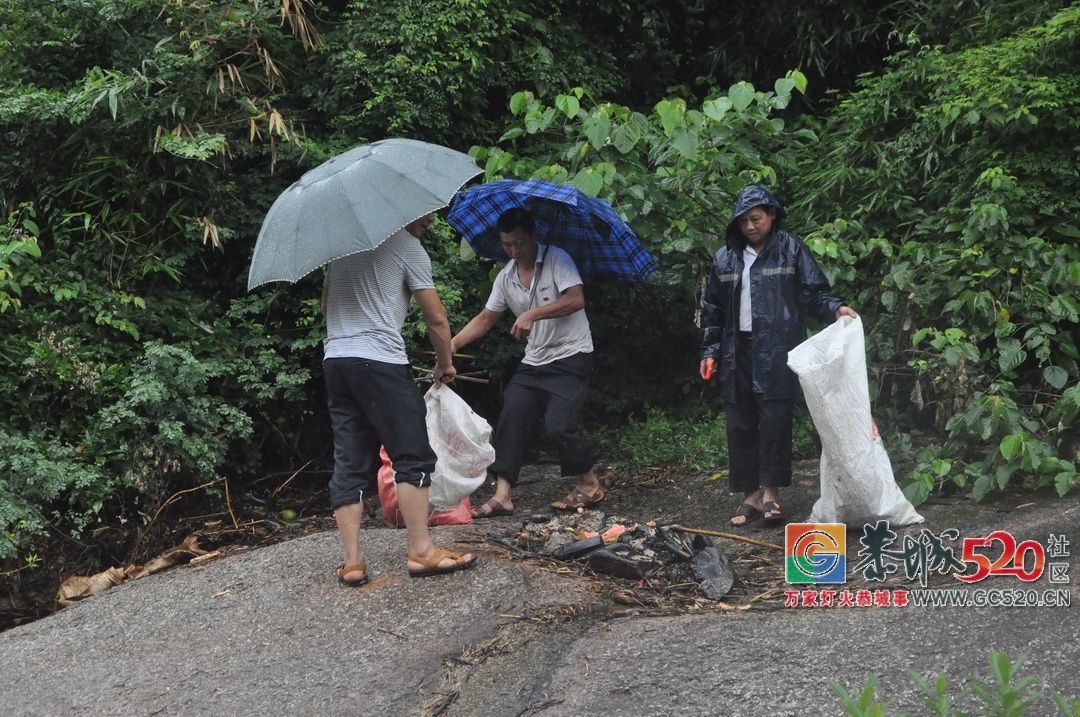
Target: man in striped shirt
column 371, row 395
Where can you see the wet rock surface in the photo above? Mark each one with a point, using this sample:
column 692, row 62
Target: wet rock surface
column 270, row 630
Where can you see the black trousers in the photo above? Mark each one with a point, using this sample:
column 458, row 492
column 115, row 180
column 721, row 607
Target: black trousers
column 557, row 391
column 374, row 403
column 758, row 430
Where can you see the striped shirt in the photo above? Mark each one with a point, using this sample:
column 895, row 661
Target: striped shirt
column 368, row 296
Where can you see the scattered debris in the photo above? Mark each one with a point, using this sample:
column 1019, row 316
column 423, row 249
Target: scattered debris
column 658, row 557
column 80, row 587
column 713, row 569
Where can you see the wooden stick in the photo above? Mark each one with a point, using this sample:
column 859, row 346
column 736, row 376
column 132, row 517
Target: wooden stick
column 228, row 504
column 459, row 377
column 298, row 472
column 466, row 356
column 729, row 536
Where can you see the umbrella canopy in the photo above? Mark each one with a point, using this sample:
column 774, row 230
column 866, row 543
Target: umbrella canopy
column 352, row 203
column 602, row 245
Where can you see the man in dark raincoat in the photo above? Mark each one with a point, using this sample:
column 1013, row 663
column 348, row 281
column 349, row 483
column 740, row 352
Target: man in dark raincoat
column 762, row 285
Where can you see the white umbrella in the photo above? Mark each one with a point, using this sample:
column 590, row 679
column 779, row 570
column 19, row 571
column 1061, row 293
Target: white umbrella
column 352, row 203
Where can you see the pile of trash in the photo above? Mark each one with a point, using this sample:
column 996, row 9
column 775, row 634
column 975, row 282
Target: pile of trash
column 613, row 545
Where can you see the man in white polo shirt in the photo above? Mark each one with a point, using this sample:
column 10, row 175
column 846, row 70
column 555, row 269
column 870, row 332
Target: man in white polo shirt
column 542, row 287
column 371, row 395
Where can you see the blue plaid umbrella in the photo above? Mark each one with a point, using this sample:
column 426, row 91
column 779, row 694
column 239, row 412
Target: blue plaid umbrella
column 602, row 245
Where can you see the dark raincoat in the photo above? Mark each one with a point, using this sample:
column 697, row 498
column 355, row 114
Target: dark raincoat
column 786, row 284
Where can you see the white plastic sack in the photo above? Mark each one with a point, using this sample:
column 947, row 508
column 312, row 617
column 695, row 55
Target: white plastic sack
column 857, row 484
column 462, row 443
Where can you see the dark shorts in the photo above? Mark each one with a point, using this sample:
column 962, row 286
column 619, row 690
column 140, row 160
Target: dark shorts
column 374, row 403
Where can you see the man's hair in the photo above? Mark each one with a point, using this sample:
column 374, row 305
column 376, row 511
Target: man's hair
column 516, row 218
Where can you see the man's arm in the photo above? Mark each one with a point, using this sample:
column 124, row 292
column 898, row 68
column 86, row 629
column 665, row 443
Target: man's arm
column 571, row 300
column 438, row 329
column 478, row 326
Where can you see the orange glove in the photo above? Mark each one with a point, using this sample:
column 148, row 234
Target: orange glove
column 710, row 368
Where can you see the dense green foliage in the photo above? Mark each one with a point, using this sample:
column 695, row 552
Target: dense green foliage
column 143, row 142
column 946, row 192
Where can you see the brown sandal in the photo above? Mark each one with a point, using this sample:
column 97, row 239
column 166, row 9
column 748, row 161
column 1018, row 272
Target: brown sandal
column 578, row 499
column 772, row 506
column 431, row 563
column 493, row 509
column 346, row 569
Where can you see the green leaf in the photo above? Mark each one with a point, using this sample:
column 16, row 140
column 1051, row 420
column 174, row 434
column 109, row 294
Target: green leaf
column 716, row 109
column 597, row 129
column 588, row 181
column 800, row 80
column 1004, row 474
column 512, row 133
column 783, row 92
column 519, row 102
column 982, row 486
column 1011, row 445
column 941, row 467
column 465, row 250
column 568, row 105
column 30, row 226
column 1064, row 482
column 686, row 142
column 917, row 492
column 1000, row 667
column 625, row 137
column 1056, row 376
column 671, row 114
column 1010, row 355
column 741, row 94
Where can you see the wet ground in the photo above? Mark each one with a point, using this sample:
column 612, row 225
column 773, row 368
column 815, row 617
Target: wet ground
column 269, row 630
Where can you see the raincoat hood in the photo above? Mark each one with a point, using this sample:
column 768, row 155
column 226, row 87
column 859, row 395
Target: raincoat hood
column 750, row 197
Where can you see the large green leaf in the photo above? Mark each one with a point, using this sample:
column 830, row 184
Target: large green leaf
column 568, row 105
column 597, row 128
column 1056, row 376
column 671, row 113
column 1010, row 355
column 686, row 142
column 588, row 181
column 1011, row 445
column 741, row 94
column 716, row 109
column 625, row 137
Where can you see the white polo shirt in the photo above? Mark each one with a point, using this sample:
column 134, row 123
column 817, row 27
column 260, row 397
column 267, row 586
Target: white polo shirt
column 550, row 339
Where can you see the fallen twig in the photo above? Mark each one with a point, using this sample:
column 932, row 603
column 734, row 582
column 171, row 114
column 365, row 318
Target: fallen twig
column 729, row 536
column 298, row 472
column 391, row 632
column 228, row 504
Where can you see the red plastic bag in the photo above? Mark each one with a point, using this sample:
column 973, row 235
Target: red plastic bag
column 460, row 515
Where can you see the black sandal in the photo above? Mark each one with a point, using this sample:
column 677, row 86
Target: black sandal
column 747, row 511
